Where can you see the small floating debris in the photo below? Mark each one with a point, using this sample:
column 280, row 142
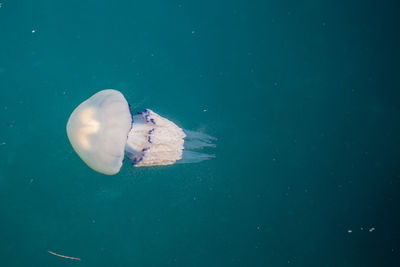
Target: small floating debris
column 2, row 143
column 371, row 229
column 349, row 231
column 63, row 256
column 10, row 124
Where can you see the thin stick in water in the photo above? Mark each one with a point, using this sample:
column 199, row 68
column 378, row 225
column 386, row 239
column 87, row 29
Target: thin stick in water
column 63, row 256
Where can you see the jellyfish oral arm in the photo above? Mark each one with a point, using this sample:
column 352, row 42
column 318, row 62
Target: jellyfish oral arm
column 154, row 140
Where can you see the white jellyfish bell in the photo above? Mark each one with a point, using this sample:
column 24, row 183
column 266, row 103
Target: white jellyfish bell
column 102, row 130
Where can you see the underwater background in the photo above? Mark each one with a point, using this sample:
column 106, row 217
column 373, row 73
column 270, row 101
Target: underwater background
column 303, row 97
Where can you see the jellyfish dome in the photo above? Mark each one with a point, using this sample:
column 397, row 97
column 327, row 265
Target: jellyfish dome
column 103, row 131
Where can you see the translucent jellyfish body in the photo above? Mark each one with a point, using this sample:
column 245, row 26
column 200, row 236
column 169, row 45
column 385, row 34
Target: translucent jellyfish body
column 103, row 131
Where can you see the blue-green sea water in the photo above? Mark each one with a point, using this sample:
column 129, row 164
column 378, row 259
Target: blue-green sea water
column 303, row 97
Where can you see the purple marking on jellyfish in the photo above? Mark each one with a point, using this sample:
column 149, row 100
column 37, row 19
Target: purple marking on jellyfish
column 149, row 139
column 151, row 131
column 145, row 149
column 152, row 121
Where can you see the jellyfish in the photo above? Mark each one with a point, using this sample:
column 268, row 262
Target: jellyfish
column 103, row 131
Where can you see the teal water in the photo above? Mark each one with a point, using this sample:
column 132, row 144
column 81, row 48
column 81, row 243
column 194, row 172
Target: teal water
column 303, row 97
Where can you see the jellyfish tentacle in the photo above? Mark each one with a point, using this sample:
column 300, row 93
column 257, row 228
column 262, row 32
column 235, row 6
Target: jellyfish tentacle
column 197, row 144
column 199, row 135
column 195, row 141
column 194, row 157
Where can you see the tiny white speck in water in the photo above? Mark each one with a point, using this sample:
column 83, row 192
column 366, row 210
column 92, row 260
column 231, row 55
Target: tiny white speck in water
column 33, row 31
column 372, row 229
column 349, row 231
